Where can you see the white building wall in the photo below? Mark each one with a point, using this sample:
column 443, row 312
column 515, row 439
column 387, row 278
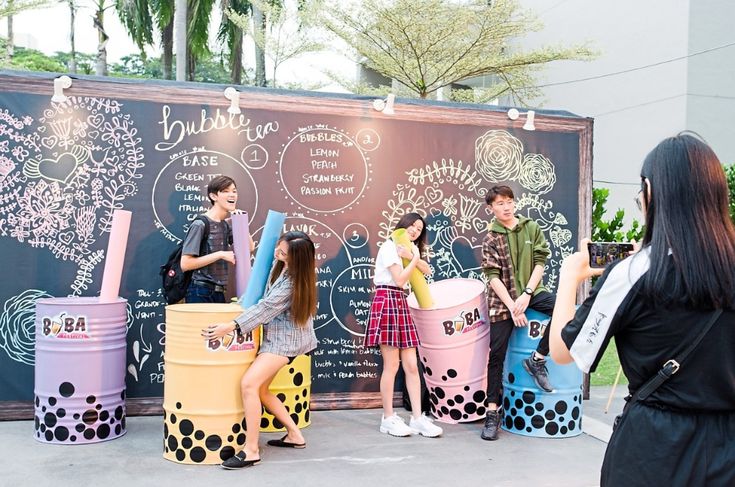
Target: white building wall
column 637, row 108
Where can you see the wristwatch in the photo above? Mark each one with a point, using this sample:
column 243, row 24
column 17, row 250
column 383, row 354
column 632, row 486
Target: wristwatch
column 528, row 291
column 237, row 328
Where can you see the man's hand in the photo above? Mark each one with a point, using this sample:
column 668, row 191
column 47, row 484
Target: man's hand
column 520, row 320
column 227, row 255
column 521, row 304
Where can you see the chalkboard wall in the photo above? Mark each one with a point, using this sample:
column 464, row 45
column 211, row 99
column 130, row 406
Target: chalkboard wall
column 342, row 172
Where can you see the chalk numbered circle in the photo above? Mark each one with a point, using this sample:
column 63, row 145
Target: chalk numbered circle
column 323, row 170
column 350, row 298
column 179, row 192
column 332, row 255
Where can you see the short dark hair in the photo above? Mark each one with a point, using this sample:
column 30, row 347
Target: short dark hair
column 220, row 183
column 496, row 191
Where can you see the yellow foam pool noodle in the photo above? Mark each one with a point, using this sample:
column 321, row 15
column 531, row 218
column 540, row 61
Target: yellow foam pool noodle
column 417, row 280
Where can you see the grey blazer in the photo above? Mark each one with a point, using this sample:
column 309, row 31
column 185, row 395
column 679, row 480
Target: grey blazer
column 281, row 336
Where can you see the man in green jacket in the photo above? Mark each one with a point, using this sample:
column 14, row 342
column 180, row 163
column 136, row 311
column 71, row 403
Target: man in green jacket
column 514, row 253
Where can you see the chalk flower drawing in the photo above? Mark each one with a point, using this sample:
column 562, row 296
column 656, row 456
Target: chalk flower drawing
column 44, row 209
column 18, row 325
column 72, row 168
column 498, row 156
column 537, row 173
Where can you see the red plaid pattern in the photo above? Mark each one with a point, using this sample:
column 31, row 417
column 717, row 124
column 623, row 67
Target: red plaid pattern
column 390, row 321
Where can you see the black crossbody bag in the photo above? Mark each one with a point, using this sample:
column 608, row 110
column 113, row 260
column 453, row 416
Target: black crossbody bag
column 670, row 368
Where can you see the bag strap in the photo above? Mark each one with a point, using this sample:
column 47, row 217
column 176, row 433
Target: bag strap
column 672, row 366
column 205, row 235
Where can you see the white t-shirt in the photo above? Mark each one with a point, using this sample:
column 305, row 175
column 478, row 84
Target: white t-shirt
column 387, row 256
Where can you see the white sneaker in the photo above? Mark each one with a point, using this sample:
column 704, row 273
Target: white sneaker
column 425, row 427
column 395, row 426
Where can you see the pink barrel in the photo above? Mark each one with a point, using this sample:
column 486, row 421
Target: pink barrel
column 455, row 344
column 80, row 370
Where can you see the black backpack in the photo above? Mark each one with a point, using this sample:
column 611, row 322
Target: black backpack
column 175, row 281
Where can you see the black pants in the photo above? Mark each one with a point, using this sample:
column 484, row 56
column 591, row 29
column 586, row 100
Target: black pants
column 500, row 332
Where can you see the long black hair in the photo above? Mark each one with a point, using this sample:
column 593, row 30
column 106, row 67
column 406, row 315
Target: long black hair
column 409, row 219
column 687, row 215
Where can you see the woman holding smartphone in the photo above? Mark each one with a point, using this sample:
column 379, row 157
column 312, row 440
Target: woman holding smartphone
column 670, row 309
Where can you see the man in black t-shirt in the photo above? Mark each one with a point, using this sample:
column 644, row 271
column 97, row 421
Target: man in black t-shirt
column 209, row 279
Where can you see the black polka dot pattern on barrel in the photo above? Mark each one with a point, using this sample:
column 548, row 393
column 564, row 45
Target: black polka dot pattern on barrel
column 188, row 442
column 454, row 402
column 296, row 399
column 59, row 418
column 542, row 415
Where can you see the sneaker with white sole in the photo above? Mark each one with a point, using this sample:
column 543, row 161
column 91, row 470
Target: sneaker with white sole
column 425, row 427
column 395, row 426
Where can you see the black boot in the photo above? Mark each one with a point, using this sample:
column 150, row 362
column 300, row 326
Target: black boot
column 492, row 421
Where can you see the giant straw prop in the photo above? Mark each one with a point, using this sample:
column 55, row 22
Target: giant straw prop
column 241, row 247
column 115, row 257
column 263, row 259
column 417, row 280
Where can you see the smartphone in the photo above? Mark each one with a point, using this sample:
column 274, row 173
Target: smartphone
column 605, row 253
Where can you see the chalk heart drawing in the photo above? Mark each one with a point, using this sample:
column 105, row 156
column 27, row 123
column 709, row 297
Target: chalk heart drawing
column 560, row 236
column 50, row 141
column 433, row 195
column 84, row 162
column 95, row 120
column 66, row 237
column 60, row 169
column 480, row 225
column 460, row 243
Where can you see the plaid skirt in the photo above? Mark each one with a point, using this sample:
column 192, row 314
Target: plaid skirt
column 390, row 321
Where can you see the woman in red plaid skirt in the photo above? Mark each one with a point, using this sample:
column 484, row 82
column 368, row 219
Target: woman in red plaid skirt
column 392, row 329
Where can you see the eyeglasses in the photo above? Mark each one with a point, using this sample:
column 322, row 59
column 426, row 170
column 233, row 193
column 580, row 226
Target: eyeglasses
column 637, row 200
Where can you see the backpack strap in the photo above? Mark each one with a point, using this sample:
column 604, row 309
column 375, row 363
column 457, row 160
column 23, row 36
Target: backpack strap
column 205, row 235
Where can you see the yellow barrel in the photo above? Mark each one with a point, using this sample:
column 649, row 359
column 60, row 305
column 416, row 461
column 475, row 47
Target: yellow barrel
column 292, row 385
column 203, row 413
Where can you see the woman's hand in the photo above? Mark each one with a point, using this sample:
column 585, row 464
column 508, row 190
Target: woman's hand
column 218, row 330
column 577, row 265
column 405, row 253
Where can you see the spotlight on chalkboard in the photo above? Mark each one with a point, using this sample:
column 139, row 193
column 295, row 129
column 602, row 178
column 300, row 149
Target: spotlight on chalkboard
column 513, row 114
column 234, row 96
column 60, row 84
column 385, row 106
column 529, row 121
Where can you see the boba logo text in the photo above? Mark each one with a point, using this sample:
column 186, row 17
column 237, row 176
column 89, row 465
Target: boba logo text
column 464, row 322
column 536, row 328
column 231, row 342
column 65, row 327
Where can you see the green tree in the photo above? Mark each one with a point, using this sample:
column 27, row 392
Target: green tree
column 83, row 63
column 611, row 230
column 426, row 45
column 730, row 175
column 231, row 35
column 32, row 60
column 289, row 30
column 8, row 8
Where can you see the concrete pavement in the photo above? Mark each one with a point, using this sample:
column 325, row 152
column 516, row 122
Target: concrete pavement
column 344, row 449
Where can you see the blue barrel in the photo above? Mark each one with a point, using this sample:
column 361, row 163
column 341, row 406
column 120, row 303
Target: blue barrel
column 529, row 410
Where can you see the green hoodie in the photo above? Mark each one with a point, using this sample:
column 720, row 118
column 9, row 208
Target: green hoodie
column 528, row 248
